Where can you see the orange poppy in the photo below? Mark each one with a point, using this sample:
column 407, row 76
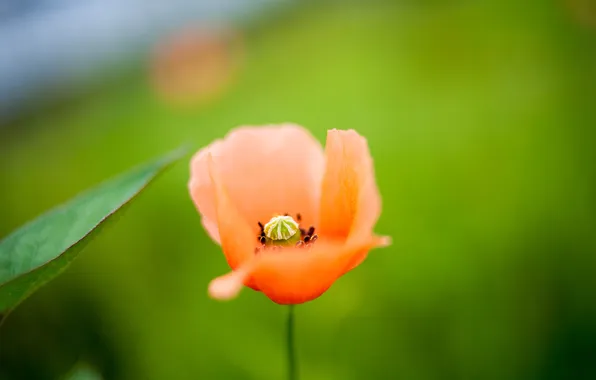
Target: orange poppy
column 195, row 66
column 290, row 217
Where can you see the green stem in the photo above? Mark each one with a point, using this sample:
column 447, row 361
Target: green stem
column 292, row 368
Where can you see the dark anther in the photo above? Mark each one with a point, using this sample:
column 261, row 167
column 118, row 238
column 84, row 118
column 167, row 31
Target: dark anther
column 286, row 214
column 311, row 230
column 314, row 238
column 306, row 239
column 299, row 217
column 262, row 239
column 302, row 232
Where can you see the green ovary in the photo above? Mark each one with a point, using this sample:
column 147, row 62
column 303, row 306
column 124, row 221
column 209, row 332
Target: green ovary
column 282, row 231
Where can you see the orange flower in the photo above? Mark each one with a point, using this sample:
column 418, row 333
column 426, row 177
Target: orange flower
column 243, row 186
column 195, row 66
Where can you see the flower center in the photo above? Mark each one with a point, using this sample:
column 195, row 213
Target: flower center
column 284, row 231
column 281, row 228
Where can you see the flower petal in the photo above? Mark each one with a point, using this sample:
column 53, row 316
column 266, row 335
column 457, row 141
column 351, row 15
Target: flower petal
column 236, row 236
column 202, row 190
column 298, row 276
column 350, row 200
column 266, row 171
column 228, row 286
column 294, row 275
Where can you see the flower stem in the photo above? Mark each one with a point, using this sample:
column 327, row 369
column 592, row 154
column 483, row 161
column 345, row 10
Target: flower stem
column 292, row 369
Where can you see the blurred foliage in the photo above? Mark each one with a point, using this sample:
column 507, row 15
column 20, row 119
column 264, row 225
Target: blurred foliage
column 83, row 372
column 480, row 116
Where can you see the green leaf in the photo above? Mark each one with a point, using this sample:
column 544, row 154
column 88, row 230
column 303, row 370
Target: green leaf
column 43, row 248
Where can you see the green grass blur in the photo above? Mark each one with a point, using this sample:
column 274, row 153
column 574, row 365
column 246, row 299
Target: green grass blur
column 481, row 118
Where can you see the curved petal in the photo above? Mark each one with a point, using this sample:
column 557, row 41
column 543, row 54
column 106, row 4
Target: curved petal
column 350, row 201
column 202, row 190
column 266, row 171
column 297, row 276
column 228, row 286
column 236, row 236
column 293, row 276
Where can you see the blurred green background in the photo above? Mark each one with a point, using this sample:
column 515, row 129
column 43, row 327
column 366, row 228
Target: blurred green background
column 481, row 118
